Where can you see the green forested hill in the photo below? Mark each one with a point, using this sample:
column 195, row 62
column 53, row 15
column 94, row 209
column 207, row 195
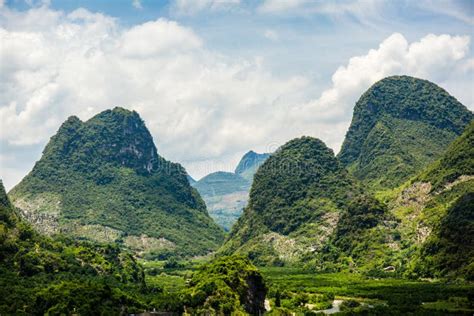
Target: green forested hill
column 444, row 216
column 40, row 275
column 226, row 193
column 399, row 126
column 103, row 180
column 423, row 228
column 296, row 199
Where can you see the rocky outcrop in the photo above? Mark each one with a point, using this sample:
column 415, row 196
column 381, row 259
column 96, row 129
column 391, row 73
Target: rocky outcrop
column 254, row 298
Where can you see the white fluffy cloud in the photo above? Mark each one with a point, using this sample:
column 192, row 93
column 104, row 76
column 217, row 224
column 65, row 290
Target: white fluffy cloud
column 157, row 38
column 436, row 58
column 196, row 102
column 202, row 107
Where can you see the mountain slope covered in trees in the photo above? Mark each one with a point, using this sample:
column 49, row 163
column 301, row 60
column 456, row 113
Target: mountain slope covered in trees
column 422, row 228
column 436, row 214
column 399, row 126
column 103, row 180
column 40, row 275
column 296, row 199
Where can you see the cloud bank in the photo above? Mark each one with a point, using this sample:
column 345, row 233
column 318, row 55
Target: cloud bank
column 201, row 106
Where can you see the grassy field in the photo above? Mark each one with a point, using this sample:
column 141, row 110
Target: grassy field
column 394, row 295
column 300, row 291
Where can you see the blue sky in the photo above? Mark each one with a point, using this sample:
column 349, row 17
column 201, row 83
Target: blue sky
column 214, row 79
column 304, row 38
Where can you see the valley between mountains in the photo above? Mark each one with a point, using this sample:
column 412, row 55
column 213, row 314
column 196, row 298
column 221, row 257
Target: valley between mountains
column 103, row 224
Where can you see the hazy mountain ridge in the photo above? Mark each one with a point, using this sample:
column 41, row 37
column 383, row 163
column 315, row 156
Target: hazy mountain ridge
column 226, row 193
column 249, row 164
column 103, row 179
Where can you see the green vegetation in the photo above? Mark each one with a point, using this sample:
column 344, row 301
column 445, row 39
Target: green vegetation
column 436, row 239
column 305, row 210
column 393, row 234
column 288, row 186
column 227, row 285
column 40, row 275
column 458, row 160
column 387, row 296
column 451, row 247
column 400, row 125
column 421, row 229
column 359, row 242
column 296, row 198
column 106, row 174
column 447, row 213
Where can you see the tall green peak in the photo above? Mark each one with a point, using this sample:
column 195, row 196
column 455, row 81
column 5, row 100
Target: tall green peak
column 103, row 179
column 296, row 198
column 117, row 137
column 304, row 169
column 249, row 164
column 399, row 126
